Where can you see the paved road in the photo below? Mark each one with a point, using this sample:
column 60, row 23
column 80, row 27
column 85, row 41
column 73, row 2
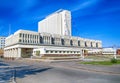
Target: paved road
column 39, row 72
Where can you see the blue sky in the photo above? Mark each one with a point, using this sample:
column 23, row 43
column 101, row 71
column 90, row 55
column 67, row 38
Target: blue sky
column 93, row 19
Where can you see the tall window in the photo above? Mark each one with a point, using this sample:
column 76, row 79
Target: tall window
column 97, row 45
column 52, row 40
column 23, row 35
column 71, row 42
column 85, row 44
column 78, row 43
column 62, row 41
column 91, row 44
column 20, row 35
column 41, row 39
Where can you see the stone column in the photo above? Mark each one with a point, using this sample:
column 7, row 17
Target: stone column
column 82, row 53
column 19, row 52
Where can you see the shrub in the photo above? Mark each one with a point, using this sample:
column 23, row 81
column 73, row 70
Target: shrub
column 113, row 60
column 37, row 53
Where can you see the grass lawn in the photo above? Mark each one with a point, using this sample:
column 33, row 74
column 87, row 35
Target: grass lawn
column 100, row 62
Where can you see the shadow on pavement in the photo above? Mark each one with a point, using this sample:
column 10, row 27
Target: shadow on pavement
column 21, row 72
column 3, row 64
column 7, row 72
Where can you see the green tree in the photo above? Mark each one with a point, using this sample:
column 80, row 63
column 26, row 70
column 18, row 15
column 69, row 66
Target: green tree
column 37, row 53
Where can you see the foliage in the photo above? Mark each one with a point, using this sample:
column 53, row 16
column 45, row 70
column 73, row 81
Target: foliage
column 99, row 62
column 113, row 60
column 37, row 53
column 26, row 56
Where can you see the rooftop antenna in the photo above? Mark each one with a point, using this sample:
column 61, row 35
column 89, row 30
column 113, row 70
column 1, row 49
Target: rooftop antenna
column 9, row 29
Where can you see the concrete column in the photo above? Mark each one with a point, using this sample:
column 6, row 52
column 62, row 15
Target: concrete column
column 10, row 53
column 44, row 40
column 82, row 53
column 15, row 52
column 7, row 53
column 19, row 52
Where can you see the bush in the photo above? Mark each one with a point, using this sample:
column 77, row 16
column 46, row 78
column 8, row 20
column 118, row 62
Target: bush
column 26, row 56
column 38, row 53
column 113, row 60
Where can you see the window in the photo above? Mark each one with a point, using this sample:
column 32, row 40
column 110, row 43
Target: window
column 71, row 42
column 91, row 44
column 47, row 51
column 52, row 40
column 97, row 45
column 20, row 34
column 35, row 36
column 85, row 44
column 28, row 35
column 19, row 40
column 63, row 42
column 23, row 35
column 78, row 43
column 55, row 51
column 51, row 51
column 41, row 39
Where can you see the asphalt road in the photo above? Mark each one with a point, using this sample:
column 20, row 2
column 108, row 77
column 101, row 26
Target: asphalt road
column 39, row 72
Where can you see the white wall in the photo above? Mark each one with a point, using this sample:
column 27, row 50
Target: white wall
column 56, row 23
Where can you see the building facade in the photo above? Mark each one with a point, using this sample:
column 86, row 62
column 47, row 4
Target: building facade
column 56, row 23
column 2, row 42
column 52, row 39
column 22, row 43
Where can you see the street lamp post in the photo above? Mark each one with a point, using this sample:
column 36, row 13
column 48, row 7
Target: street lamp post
column 114, row 47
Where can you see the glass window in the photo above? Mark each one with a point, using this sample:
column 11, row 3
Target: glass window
column 85, row 44
column 78, row 43
column 63, row 42
column 52, row 40
column 97, row 45
column 19, row 40
column 91, row 44
column 20, row 35
column 51, row 51
column 71, row 42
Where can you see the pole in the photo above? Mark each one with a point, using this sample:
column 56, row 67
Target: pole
column 115, row 53
column 14, row 75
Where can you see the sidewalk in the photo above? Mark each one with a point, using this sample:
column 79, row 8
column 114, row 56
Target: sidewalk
column 74, row 64
column 114, row 69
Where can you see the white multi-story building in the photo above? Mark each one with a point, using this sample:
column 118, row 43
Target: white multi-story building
column 22, row 43
column 52, row 39
column 56, row 23
column 108, row 51
column 2, row 42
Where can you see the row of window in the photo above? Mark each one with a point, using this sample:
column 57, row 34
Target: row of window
column 28, row 38
column 62, row 52
column 108, row 52
column 2, row 38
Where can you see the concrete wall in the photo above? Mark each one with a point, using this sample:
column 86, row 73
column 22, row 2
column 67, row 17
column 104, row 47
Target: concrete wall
column 56, row 23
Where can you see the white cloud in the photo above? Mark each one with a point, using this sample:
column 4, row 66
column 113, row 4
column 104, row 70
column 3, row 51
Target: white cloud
column 85, row 4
